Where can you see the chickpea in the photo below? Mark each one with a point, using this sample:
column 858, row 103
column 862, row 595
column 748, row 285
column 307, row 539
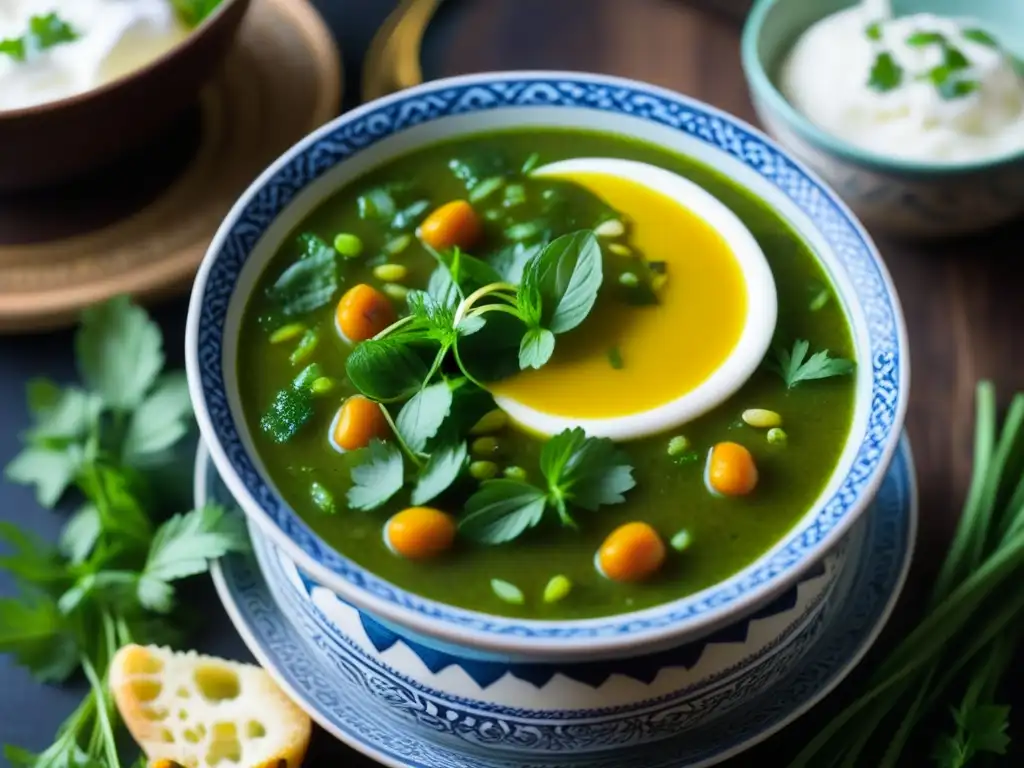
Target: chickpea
column 363, row 312
column 731, row 470
column 632, row 552
column 358, row 421
column 454, row 223
column 418, row 533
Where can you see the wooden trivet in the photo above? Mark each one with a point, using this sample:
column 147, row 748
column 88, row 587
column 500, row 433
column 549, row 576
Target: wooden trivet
column 281, row 80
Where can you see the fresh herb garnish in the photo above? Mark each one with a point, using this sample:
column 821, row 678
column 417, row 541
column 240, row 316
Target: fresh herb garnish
column 873, row 31
column 43, row 32
column 111, row 579
column 378, row 477
column 193, row 12
column 794, row 366
column 980, row 36
column 965, row 640
column 921, row 39
column 292, row 407
column 886, row 74
column 578, row 471
column 615, row 358
column 310, row 282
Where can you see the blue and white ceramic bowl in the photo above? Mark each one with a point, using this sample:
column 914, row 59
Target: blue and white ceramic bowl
column 359, row 140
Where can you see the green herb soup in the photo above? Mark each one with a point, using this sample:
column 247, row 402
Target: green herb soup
column 417, row 292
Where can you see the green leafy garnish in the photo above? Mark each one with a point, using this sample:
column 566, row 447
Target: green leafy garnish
column 615, row 358
column 957, row 89
column 44, row 32
column 873, row 31
column 794, row 366
column 422, row 415
column 981, row 36
column 193, row 12
column 310, row 282
column 579, row 471
column 445, row 465
column 886, row 74
column 378, row 476
column 111, row 579
column 508, row 592
column 290, row 410
column 965, row 640
column 921, row 39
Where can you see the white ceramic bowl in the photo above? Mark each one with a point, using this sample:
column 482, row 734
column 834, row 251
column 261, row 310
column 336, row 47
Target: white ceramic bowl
column 352, row 144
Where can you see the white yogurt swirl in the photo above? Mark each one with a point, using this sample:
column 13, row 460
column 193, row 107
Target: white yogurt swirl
column 970, row 112
column 113, row 38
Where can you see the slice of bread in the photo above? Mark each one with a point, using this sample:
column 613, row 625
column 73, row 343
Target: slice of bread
column 196, row 711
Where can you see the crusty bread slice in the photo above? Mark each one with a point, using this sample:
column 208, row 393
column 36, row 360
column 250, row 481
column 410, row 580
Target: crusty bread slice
column 198, row 711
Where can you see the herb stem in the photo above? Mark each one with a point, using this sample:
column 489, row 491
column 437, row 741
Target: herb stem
column 475, row 296
column 477, row 311
column 413, row 457
column 400, row 323
column 102, row 714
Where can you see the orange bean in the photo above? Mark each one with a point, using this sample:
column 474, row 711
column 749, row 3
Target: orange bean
column 632, row 552
column 359, row 421
column 731, row 470
column 420, row 532
column 363, row 312
column 454, row 223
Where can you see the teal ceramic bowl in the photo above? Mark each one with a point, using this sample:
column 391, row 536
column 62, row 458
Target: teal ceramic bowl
column 892, row 195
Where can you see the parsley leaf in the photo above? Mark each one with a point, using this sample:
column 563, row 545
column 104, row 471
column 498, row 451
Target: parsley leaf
column 310, row 282
column 873, row 31
column 794, row 366
column 502, row 510
column 442, row 469
column 80, row 534
column 378, row 476
column 62, row 417
column 583, row 471
column 44, row 32
column 30, row 562
column 423, row 414
column 51, row 471
column 388, row 369
column 183, row 546
column 120, row 352
column 160, row 421
column 193, row 12
column 886, row 74
column 921, row 39
column 39, row 638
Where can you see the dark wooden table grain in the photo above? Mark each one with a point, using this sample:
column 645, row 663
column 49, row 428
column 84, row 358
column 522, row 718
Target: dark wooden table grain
column 960, row 299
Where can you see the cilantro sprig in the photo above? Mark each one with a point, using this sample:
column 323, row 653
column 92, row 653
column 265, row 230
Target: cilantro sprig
column 111, row 578
column 44, row 31
column 794, row 366
column 962, row 645
column 578, row 471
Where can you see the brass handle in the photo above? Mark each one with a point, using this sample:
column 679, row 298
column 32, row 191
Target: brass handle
column 393, row 59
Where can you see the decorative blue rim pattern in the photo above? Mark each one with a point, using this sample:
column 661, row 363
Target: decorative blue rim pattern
column 363, row 127
column 320, row 689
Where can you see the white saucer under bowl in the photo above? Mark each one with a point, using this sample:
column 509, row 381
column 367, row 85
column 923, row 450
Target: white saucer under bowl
column 334, row 690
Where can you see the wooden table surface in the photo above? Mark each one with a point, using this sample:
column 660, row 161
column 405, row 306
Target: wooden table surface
column 964, row 319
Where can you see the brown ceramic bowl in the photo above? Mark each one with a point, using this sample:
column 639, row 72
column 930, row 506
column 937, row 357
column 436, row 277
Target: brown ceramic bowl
column 57, row 141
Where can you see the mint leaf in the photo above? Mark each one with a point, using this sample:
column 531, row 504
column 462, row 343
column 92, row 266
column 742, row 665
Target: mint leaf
column 886, row 74
column 51, row 471
column 160, row 421
column 183, row 546
column 377, row 477
column 442, row 469
column 310, row 282
column 536, row 348
column 389, row 369
column 567, row 274
column 511, row 261
column 423, row 414
column 120, row 352
column 502, row 510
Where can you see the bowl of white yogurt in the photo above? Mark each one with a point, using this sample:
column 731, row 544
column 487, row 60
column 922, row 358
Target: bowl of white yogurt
column 82, row 81
column 913, row 110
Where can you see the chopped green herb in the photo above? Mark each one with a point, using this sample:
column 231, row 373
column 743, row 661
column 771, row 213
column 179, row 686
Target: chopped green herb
column 377, row 204
column 485, row 189
column 377, row 477
column 980, row 36
column 794, row 366
column 508, row 592
column 921, row 39
column 193, row 12
column 475, row 169
column 322, row 498
column 957, row 89
column 531, row 163
column 820, row 300
column 306, row 346
column 886, row 74
column 579, row 471
column 410, row 216
column 310, row 282
column 44, row 32
column 524, row 231
column 615, row 358
column 873, row 31
column 954, row 59
column 515, row 194
column 289, row 411
column 677, row 446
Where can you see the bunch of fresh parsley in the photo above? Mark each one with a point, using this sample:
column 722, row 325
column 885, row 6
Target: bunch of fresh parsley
column 960, row 649
column 110, row 580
